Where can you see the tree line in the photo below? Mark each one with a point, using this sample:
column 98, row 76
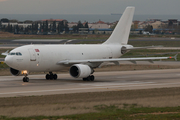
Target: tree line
column 39, row 27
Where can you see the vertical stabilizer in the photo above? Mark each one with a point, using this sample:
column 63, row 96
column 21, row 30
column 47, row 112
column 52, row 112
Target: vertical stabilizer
column 120, row 34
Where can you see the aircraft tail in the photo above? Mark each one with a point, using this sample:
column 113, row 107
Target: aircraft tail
column 120, row 34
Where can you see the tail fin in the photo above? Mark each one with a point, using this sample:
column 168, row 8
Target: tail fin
column 120, row 34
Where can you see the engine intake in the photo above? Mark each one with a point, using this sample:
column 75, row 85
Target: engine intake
column 80, row 71
column 15, row 72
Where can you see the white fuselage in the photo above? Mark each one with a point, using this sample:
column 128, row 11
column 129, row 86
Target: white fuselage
column 44, row 58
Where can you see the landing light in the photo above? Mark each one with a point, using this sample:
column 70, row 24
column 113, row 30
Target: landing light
column 24, row 72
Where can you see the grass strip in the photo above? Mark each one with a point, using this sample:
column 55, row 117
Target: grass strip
column 112, row 112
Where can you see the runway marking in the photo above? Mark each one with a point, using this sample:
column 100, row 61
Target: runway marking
column 105, row 84
column 10, row 78
column 70, row 40
column 107, row 87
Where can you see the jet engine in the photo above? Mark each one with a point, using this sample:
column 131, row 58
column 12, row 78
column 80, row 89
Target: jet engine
column 80, row 71
column 15, row 72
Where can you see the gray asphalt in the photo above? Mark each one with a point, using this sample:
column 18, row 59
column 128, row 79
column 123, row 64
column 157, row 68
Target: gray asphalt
column 72, row 41
column 11, row 86
column 43, row 41
column 13, row 43
column 1, row 59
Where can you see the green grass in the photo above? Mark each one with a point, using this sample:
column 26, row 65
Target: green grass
column 81, row 36
column 142, row 43
column 152, row 53
column 89, row 42
column 113, row 112
column 4, row 65
column 2, row 56
column 150, row 43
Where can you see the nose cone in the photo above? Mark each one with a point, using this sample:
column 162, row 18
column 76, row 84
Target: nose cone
column 9, row 60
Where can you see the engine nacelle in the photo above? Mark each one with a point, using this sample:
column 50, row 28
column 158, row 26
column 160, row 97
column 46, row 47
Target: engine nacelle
column 15, row 72
column 123, row 50
column 80, row 71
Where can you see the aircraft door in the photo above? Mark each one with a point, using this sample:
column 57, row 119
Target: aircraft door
column 32, row 55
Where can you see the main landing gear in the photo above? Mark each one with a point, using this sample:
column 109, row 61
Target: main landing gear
column 89, row 78
column 26, row 79
column 51, row 76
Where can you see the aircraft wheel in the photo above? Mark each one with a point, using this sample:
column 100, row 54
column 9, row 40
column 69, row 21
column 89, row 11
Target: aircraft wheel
column 92, row 77
column 51, row 77
column 84, row 79
column 25, row 79
column 55, row 76
column 89, row 78
column 47, row 76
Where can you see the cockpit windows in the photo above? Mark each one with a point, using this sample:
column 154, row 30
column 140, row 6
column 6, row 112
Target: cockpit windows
column 17, row 53
column 12, row 53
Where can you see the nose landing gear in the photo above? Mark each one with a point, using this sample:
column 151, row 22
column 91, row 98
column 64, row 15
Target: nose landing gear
column 51, row 76
column 26, row 79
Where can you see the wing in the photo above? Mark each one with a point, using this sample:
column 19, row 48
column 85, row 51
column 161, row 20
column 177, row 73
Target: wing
column 113, row 60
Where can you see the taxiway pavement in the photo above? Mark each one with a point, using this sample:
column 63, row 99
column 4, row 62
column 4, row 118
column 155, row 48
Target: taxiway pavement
column 13, row 43
column 11, row 86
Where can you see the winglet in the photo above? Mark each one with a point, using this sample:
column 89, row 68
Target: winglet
column 175, row 57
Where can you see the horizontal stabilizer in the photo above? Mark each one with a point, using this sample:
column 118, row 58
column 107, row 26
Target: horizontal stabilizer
column 6, row 53
column 147, row 47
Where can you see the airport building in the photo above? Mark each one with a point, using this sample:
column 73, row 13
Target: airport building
column 52, row 26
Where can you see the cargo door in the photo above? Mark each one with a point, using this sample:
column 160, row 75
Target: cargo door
column 32, row 55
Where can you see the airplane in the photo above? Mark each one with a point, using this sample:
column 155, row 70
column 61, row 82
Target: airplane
column 80, row 59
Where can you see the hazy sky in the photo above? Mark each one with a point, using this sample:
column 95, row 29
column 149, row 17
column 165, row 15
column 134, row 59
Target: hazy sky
column 150, row 7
